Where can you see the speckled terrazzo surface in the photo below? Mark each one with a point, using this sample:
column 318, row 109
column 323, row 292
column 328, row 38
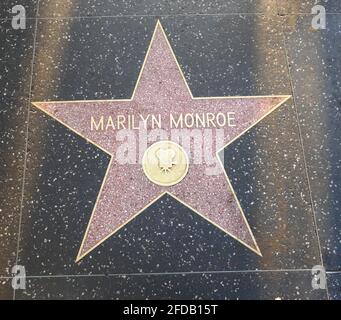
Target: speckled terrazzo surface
column 284, row 171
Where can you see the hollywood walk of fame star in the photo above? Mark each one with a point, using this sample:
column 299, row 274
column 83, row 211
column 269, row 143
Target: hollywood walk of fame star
column 126, row 191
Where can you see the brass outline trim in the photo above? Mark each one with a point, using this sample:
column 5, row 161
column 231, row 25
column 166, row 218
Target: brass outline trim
column 158, row 25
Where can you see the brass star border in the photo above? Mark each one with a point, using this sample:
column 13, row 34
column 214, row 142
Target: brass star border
column 81, row 254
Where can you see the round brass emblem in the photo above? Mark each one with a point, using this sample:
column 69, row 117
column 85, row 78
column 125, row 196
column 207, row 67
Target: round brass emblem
column 165, row 163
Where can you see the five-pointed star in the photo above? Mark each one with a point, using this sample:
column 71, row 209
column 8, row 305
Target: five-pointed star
column 126, row 191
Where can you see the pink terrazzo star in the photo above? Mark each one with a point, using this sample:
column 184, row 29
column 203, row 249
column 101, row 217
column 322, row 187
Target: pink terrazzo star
column 126, row 191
